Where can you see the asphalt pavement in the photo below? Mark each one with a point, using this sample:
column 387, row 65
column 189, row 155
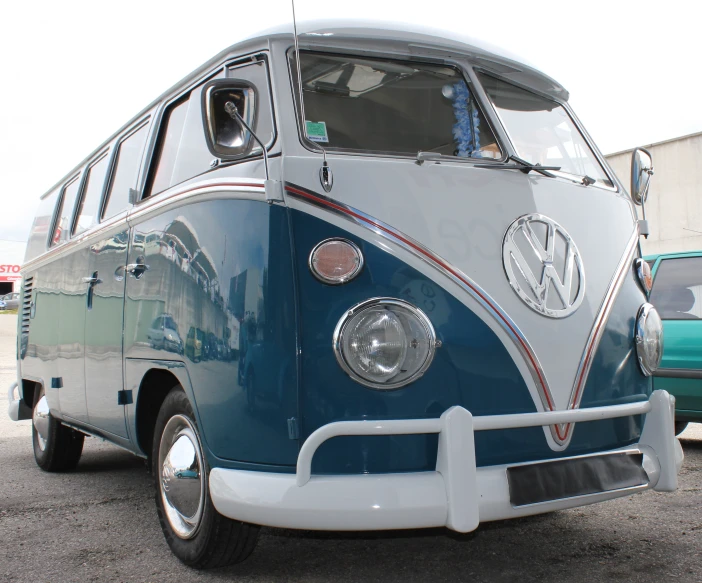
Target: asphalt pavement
column 99, row 523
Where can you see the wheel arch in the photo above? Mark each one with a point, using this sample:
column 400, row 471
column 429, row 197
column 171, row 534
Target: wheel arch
column 151, row 381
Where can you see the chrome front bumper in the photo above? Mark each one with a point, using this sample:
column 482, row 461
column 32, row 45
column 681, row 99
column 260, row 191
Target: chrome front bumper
column 457, row 494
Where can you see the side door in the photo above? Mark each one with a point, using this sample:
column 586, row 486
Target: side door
column 107, row 258
column 677, row 295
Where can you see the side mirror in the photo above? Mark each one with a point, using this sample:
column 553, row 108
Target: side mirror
column 641, row 172
column 226, row 137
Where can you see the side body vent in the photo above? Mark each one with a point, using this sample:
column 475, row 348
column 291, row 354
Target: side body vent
column 26, row 314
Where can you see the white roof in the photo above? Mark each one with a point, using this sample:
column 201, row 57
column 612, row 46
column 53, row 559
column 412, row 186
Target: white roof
column 419, row 40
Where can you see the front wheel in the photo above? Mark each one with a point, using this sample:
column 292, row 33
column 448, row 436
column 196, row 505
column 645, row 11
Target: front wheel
column 196, row 533
column 57, row 448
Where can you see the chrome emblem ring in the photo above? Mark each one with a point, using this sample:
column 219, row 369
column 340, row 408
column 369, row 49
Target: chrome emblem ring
column 543, row 266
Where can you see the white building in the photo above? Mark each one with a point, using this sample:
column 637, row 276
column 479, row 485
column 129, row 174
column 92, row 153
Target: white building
column 674, row 205
column 11, row 258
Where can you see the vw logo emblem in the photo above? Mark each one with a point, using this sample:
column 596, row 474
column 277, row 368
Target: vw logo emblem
column 543, row 266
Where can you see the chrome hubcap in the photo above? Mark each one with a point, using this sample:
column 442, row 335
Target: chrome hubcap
column 182, row 480
column 40, row 418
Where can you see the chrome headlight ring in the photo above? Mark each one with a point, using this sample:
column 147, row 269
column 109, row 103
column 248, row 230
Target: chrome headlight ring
column 415, row 332
column 648, row 337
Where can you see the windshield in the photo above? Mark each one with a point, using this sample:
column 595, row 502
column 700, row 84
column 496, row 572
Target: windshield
column 541, row 131
column 397, row 107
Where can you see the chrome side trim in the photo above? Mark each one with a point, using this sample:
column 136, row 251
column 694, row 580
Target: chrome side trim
column 564, row 433
column 248, row 188
column 177, row 196
column 445, row 268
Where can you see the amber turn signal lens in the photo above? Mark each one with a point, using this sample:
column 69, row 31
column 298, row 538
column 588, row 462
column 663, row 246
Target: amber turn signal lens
column 336, row 261
column 643, row 272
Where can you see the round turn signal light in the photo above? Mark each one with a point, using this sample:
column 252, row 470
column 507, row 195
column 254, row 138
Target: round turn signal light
column 643, row 272
column 336, row 261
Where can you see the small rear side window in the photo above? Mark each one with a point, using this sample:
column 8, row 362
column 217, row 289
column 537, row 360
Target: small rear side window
column 39, row 235
column 89, row 206
column 126, row 172
column 64, row 214
column 677, row 289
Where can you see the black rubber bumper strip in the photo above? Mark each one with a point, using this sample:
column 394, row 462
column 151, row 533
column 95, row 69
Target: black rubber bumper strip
column 548, row 481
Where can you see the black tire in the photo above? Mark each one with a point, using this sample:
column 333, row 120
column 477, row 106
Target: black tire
column 217, row 541
column 62, row 447
column 680, row 426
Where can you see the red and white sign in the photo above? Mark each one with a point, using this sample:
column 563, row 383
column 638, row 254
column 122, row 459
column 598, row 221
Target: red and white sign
column 10, row 272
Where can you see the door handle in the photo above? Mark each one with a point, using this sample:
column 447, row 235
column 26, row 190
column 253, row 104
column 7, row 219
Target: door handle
column 136, row 270
column 94, row 280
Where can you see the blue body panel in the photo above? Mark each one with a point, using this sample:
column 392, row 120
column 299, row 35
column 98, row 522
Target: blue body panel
column 219, row 296
column 472, row 369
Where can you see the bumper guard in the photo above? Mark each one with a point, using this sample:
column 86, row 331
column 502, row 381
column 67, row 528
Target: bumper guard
column 457, row 494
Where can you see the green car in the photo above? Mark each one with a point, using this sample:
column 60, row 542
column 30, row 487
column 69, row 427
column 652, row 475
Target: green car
column 677, row 295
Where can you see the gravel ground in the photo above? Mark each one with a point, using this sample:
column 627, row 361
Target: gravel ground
column 99, row 524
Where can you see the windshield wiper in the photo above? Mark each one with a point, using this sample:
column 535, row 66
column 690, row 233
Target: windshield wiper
column 523, row 166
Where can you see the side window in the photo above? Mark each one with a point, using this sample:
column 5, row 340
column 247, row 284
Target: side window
column 126, row 172
column 677, row 289
column 168, row 146
column 181, row 149
column 89, row 206
column 64, row 214
column 39, row 235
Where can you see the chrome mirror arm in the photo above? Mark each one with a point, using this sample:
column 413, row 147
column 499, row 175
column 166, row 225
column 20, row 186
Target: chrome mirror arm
column 273, row 188
column 233, row 112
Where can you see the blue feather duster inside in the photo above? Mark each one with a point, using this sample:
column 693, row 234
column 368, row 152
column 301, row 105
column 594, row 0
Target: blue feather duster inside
column 466, row 130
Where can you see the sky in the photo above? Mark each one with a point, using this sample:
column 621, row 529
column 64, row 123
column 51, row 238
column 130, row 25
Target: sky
column 73, row 72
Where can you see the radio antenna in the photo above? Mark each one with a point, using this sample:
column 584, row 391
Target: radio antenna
column 299, row 73
column 325, row 173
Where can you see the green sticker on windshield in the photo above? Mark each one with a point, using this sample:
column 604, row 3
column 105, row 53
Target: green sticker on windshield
column 317, row 131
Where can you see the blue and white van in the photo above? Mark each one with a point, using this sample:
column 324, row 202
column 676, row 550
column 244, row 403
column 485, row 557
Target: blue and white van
column 424, row 306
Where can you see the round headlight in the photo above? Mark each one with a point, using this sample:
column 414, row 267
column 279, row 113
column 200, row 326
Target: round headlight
column 384, row 343
column 649, row 339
